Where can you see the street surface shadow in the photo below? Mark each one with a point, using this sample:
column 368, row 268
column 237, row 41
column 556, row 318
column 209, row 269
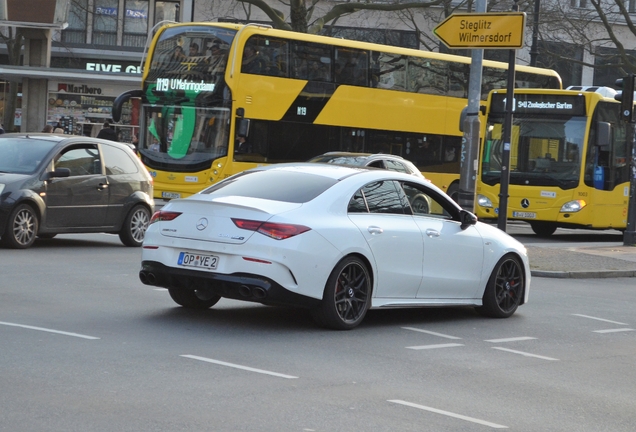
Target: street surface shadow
column 276, row 318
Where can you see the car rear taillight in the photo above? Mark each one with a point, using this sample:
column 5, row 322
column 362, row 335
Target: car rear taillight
column 162, row 215
column 277, row 231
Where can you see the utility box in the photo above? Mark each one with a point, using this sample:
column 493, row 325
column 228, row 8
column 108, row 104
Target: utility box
column 34, row 13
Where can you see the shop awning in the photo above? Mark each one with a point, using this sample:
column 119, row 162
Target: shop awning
column 16, row 73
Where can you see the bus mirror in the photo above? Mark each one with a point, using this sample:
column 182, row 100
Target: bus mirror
column 244, row 127
column 603, row 135
column 121, row 100
column 462, row 118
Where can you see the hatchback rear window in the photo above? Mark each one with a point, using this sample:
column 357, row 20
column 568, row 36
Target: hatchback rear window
column 286, row 186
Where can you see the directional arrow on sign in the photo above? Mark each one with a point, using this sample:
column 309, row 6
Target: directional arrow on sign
column 488, row 30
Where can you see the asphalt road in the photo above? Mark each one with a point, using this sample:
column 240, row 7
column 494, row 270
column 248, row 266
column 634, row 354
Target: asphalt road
column 87, row 347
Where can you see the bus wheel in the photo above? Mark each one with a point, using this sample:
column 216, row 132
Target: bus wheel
column 453, row 192
column 543, row 229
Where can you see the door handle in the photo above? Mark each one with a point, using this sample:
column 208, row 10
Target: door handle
column 375, row 230
column 432, row 233
column 102, row 186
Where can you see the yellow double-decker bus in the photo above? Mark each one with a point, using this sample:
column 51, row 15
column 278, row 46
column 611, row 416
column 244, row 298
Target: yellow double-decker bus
column 292, row 96
column 569, row 160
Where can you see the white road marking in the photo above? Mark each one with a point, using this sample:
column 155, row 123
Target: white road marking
column 49, row 330
column 449, row 414
column 236, row 366
column 522, row 338
column 431, row 333
column 525, row 354
column 613, row 330
column 423, row 347
column 599, row 319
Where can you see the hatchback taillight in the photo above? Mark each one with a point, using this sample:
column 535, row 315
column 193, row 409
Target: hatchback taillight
column 277, row 231
column 163, row 216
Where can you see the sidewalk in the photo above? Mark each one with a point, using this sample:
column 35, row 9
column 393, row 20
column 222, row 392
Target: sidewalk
column 583, row 262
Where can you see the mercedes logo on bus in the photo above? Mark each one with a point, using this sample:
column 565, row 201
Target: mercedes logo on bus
column 525, row 203
column 202, row 224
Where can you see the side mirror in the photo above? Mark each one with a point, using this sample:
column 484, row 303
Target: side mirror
column 603, row 135
column 467, row 218
column 58, row 173
column 243, row 127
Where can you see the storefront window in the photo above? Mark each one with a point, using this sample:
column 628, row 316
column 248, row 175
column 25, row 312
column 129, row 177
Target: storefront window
column 105, row 22
column 136, row 23
column 166, row 11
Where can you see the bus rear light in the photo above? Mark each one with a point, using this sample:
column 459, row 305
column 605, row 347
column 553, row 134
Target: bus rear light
column 573, row 206
column 277, row 231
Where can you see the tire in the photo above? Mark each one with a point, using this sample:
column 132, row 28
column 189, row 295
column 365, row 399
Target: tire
column 543, row 229
column 193, row 299
column 347, row 296
column 22, row 227
column 504, row 290
column 420, row 205
column 134, row 229
column 453, row 192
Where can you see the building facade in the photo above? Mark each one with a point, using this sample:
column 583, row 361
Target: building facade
column 98, row 53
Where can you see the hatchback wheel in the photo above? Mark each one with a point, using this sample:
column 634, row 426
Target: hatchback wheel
column 504, row 290
column 194, row 299
column 134, row 229
column 22, row 227
column 347, row 296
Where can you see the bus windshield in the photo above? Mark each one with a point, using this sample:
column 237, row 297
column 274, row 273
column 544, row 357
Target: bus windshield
column 190, row 59
column 186, row 137
column 544, row 151
column 186, row 118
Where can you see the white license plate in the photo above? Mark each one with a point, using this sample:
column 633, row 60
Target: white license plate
column 188, row 259
column 170, row 195
column 526, row 215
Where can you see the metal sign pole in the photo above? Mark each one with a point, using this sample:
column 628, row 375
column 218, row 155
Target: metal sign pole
column 502, row 217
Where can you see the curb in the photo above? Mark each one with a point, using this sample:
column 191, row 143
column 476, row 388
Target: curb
column 583, row 274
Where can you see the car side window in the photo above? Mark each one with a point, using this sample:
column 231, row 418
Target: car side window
column 396, row 166
column 80, row 160
column 425, row 202
column 117, row 161
column 380, row 197
column 376, row 164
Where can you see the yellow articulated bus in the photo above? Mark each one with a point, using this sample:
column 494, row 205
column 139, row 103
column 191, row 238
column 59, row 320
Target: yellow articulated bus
column 292, row 96
column 569, row 160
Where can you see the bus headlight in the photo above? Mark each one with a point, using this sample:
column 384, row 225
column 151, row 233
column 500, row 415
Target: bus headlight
column 573, row 206
column 483, row 201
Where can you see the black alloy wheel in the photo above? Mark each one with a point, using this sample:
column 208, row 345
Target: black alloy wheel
column 505, row 289
column 347, row 296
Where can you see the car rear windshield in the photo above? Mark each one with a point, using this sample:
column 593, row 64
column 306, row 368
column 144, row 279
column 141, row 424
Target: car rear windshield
column 286, row 186
column 23, row 156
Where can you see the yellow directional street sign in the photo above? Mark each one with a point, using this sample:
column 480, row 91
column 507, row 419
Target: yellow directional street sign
column 487, row 30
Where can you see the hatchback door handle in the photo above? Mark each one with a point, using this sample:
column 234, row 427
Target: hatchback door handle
column 375, row 230
column 432, row 233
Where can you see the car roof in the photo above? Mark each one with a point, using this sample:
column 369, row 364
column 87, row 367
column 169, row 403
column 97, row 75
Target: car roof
column 58, row 138
column 336, row 172
column 336, row 154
